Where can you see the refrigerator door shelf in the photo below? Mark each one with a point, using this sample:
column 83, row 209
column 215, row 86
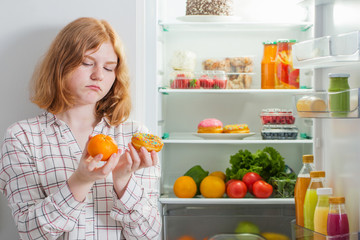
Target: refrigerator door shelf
column 226, row 91
column 299, row 232
column 328, row 51
column 318, row 104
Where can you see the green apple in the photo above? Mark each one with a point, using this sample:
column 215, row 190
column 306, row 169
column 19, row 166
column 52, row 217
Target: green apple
column 247, row 227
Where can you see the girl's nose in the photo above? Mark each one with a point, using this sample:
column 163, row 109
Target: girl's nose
column 97, row 74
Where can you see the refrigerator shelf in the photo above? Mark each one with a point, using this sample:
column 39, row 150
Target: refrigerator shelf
column 189, row 138
column 166, row 199
column 285, row 91
column 234, row 26
column 318, row 104
column 327, row 51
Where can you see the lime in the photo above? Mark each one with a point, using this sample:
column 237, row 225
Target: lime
column 247, row 227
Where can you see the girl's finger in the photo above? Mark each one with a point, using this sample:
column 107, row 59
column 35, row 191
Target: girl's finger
column 110, row 164
column 135, row 158
column 146, row 157
column 154, row 157
column 94, row 162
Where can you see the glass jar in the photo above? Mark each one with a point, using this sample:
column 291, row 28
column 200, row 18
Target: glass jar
column 286, row 77
column 268, row 65
column 339, row 97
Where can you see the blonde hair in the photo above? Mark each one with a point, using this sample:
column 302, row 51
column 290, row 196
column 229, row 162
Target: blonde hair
column 65, row 54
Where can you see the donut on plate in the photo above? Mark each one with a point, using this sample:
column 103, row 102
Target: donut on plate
column 149, row 141
column 210, row 125
column 236, row 128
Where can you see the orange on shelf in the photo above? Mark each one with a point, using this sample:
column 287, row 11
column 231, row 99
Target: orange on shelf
column 186, row 237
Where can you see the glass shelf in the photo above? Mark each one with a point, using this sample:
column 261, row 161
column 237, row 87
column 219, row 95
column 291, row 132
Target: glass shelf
column 172, row 199
column 234, row 26
column 292, row 91
column 299, row 232
column 327, row 51
column 318, row 104
column 188, row 138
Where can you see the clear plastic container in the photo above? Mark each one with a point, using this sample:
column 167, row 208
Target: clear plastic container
column 241, row 64
column 197, row 80
column 277, row 116
column 283, row 188
column 279, row 132
column 239, row 80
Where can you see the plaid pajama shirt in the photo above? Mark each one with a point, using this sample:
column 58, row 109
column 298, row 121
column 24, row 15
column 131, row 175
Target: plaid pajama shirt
column 38, row 155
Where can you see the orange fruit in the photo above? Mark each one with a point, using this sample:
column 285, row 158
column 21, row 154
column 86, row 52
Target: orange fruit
column 186, row 237
column 212, row 187
column 103, row 144
column 185, row 187
column 219, row 174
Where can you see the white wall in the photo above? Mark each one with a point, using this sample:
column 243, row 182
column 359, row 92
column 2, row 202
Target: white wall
column 26, row 29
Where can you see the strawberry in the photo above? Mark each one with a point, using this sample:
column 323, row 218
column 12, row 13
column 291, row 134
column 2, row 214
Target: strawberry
column 206, row 82
column 194, row 83
column 181, row 81
column 219, row 83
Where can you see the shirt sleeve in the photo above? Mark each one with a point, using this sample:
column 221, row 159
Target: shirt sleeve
column 36, row 215
column 137, row 210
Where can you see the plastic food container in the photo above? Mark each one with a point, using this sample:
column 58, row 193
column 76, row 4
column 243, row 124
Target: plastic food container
column 205, row 80
column 277, row 116
column 242, row 64
column 279, row 132
column 239, row 80
column 241, row 236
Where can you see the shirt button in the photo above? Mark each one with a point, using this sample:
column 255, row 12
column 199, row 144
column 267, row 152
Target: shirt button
column 89, row 197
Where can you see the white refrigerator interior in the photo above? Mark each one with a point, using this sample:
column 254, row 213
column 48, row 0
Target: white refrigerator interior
column 178, row 111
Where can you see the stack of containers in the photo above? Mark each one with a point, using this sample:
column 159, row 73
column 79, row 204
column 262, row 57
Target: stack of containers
column 278, row 124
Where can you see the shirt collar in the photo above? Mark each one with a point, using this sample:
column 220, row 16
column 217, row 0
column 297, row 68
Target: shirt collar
column 51, row 119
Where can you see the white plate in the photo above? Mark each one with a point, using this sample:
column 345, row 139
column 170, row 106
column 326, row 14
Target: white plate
column 223, row 136
column 208, row 18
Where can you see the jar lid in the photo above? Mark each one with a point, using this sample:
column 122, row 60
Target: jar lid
column 308, row 158
column 269, row 42
column 336, row 200
column 292, row 40
column 283, row 40
column 339, row 75
column 324, row 191
column 317, row 174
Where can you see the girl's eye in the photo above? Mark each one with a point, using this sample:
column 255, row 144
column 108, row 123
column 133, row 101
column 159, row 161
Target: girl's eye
column 109, row 69
column 87, row 64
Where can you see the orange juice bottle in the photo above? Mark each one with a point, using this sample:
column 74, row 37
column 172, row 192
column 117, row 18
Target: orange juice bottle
column 317, row 181
column 268, row 65
column 302, row 183
column 322, row 210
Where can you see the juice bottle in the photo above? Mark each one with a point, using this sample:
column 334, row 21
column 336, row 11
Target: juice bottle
column 317, row 181
column 301, row 185
column 268, row 65
column 321, row 211
column 337, row 222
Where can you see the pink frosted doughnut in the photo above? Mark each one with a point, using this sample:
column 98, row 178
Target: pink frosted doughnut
column 210, row 125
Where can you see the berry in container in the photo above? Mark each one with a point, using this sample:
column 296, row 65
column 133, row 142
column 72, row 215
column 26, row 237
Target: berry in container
column 277, row 116
column 204, row 80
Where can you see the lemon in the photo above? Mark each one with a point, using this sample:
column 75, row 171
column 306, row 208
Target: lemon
column 219, row 174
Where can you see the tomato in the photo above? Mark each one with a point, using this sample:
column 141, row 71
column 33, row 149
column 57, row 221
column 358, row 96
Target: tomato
column 249, row 179
column 236, row 189
column 228, row 182
column 262, row 189
column 282, row 72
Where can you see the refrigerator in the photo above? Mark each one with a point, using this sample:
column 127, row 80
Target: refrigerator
column 327, row 41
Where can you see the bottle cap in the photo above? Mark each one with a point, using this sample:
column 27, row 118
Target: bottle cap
column 308, row 158
column 336, row 200
column 324, row 191
column 317, row 174
column 339, row 75
column 283, row 40
column 292, row 40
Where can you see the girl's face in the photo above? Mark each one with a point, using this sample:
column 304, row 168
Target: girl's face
column 92, row 80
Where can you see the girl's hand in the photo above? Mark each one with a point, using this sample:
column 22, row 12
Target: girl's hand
column 88, row 172
column 131, row 161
